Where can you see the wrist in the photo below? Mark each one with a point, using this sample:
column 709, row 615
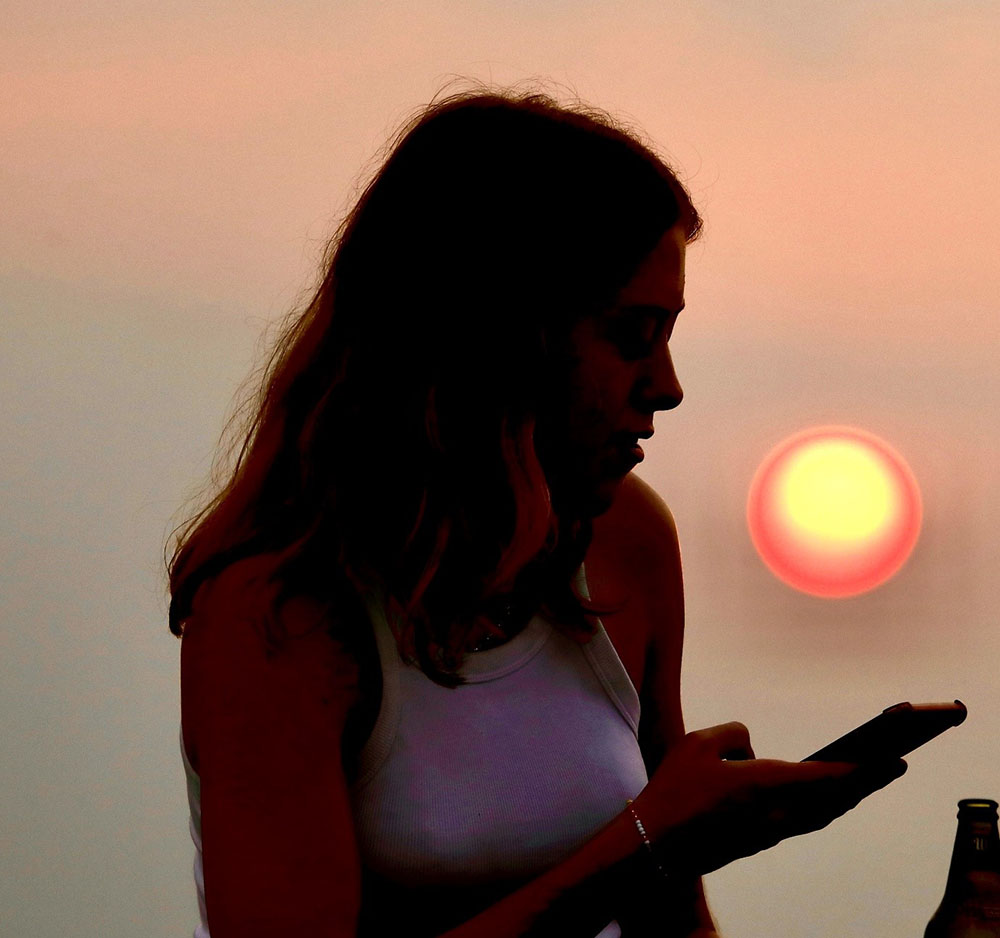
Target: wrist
column 646, row 847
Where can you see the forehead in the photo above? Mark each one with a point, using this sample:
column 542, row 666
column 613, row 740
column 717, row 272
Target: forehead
column 659, row 281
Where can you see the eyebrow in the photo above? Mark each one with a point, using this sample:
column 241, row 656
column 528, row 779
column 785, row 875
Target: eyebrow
column 652, row 309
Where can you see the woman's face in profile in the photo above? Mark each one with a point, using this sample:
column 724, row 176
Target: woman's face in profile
column 622, row 374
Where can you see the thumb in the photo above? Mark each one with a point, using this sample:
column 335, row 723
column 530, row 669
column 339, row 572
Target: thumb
column 730, row 740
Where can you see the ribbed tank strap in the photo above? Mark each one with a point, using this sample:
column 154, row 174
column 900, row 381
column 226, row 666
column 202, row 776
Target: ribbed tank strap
column 608, row 667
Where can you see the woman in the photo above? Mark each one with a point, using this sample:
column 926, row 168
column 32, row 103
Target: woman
column 402, row 712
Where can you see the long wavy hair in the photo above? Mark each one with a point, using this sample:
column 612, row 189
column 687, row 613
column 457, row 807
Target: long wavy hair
column 389, row 447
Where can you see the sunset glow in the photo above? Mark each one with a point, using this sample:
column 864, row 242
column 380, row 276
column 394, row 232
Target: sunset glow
column 834, row 511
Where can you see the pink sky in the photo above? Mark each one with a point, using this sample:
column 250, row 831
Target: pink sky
column 858, row 179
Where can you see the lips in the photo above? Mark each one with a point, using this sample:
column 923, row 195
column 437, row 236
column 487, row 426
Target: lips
column 630, row 438
column 629, row 451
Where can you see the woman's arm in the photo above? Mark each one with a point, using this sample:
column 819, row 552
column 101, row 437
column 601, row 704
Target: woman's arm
column 278, row 843
column 647, row 539
column 709, row 803
column 577, row 897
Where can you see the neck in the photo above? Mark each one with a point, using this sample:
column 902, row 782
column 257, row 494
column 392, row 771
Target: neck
column 509, row 613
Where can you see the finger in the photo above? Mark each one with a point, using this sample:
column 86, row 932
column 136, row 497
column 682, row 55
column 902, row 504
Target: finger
column 740, row 753
column 873, row 776
column 730, row 740
column 775, row 773
column 804, row 812
column 840, row 795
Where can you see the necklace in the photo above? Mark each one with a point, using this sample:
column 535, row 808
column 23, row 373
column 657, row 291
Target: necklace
column 502, row 622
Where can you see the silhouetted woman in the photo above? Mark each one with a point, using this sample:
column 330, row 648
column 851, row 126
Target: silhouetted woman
column 402, row 710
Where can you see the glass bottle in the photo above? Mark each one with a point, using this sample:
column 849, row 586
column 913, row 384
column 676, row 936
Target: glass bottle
column 971, row 904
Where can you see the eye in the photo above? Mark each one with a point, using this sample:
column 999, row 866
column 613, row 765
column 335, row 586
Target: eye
column 635, row 349
column 634, row 339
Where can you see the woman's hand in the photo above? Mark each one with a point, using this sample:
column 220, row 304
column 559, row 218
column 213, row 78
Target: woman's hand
column 710, row 801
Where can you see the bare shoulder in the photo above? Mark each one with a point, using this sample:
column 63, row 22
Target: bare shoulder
column 230, row 685
column 640, row 528
column 648, row 508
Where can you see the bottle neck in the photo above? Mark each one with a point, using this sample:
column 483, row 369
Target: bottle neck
column 975, row 859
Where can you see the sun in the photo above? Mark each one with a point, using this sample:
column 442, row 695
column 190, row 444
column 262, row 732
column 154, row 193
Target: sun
column 834, row 511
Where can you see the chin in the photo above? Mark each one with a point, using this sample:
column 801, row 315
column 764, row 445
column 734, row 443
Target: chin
column 590, row 490
column 598, row 499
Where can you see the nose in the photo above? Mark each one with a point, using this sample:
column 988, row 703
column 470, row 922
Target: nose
column 664, row 388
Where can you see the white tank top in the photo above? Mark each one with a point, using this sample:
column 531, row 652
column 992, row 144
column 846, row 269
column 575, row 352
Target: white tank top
column 495, row 780
column 194, row 826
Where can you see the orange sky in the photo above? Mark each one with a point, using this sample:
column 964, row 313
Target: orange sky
column 846, row 172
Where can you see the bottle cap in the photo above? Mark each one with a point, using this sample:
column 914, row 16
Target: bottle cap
column 977, row 805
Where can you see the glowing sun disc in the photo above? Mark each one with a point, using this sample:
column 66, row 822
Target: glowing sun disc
column 834, row 511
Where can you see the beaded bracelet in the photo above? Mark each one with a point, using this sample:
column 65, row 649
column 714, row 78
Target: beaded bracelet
column 645, row 839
